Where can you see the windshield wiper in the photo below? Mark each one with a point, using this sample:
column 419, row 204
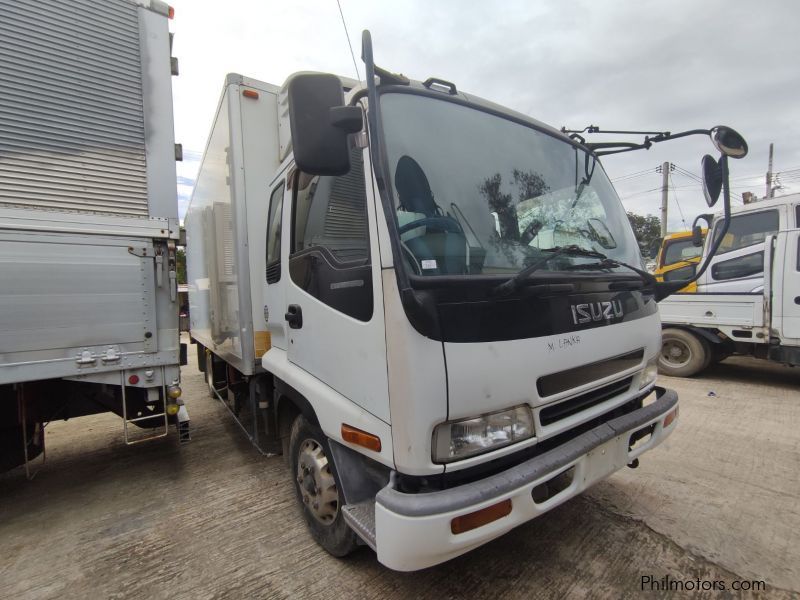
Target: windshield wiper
column 610, row 263
column 509, row 287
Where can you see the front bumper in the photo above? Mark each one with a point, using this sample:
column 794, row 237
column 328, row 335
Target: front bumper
column 413, row 531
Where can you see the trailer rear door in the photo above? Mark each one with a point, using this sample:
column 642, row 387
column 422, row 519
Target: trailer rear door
column 74, row 305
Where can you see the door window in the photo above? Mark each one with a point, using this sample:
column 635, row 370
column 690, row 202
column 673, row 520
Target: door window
column 274, row 235
column 736, row 268
column 747, row 230
column 330, row 243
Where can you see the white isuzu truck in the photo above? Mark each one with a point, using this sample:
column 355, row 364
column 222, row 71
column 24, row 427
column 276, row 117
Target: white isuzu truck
column 369, row 296
column 748, row 301
column 88, row 220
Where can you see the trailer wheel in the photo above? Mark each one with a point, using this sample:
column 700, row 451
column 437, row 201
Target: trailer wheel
column 316, row 489
column 683, row 354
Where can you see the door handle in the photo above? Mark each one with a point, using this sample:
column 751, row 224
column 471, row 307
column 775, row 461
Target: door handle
column 294, row 316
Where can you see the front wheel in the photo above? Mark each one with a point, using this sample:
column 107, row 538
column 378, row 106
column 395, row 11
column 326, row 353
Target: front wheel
column 316, row 489
column 683, row 354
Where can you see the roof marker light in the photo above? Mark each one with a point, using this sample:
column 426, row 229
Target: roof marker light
column 250, row 94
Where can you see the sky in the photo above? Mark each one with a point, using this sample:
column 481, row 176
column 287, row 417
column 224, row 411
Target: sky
column 625, row 65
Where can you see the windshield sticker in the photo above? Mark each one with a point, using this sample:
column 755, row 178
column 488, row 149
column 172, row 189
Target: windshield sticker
column 428, row 265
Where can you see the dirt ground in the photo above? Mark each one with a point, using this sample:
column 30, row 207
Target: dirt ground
column 717, row 502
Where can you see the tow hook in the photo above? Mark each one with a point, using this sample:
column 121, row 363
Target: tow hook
column 633, row 464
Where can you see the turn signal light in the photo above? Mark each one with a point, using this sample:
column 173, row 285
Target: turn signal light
column 172, row 409
column 481, row 517
column 671, row 417
column 361, row 438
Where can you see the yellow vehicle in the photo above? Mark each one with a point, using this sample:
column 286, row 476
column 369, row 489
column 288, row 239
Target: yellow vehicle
column 678, row 258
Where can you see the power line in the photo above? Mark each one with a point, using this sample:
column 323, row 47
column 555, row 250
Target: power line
column 352, row 54
column 678, row 204
column 633, row 175
column 658, row 189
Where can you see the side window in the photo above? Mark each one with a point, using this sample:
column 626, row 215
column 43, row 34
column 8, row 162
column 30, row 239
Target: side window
column 797, row 216
column 330, row 241
column 274, row 235
column 681, row 250
column 736, row 268
column 747, row 230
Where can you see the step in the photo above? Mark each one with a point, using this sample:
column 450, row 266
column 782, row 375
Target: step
column 361, row 518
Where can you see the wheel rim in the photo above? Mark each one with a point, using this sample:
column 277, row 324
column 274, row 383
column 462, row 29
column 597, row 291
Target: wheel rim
column 675, row 353
column 316, row 483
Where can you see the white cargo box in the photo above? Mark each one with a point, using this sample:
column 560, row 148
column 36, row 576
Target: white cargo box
column 228, row 209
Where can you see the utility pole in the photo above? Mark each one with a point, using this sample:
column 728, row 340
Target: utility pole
column 770, row 192
column 664, row 197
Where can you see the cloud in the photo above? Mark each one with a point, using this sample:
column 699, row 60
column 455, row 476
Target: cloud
column 619, row 65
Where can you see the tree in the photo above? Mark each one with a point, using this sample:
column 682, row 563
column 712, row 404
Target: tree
column 646, row 229
column 180, row 265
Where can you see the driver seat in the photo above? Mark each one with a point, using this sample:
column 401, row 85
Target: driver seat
column 438, row 250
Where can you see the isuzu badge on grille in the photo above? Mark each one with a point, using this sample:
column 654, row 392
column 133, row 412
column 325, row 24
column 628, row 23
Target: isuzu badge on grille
column 596, row 311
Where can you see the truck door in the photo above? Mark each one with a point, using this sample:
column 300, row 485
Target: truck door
column 738, row 266
column 334, row 305
column 786, row 313
column 275, row 279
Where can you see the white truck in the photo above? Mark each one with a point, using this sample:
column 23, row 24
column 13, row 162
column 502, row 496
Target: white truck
column 748, row 301
column 367, row 296
column 88, row 220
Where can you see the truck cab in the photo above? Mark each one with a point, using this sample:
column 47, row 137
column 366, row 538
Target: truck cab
column 678, row 257
column 474, row 410
column 738, row 266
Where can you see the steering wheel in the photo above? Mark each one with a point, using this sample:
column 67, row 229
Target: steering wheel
column 447, row 224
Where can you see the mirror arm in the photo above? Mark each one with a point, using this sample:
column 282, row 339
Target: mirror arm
column 664, row 289
column 606, row 148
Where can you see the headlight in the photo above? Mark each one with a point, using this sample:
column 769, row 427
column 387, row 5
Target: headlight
column 650, row 373
column 455, row 440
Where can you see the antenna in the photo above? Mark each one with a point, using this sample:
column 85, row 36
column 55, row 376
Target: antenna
column 352, row 54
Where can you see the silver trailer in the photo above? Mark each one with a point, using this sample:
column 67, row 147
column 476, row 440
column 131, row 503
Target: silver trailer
column 88, row 220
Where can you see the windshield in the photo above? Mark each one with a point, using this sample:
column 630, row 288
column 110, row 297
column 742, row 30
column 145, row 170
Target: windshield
column 478, row 194
column 681, row 250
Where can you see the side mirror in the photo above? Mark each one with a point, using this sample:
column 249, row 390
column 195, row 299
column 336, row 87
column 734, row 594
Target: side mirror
column 697, row 236
column 728, row 142
column 320, row 123
column 712, row 179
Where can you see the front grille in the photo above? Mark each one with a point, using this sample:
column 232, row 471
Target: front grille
column 562, row 381
column 567, row 408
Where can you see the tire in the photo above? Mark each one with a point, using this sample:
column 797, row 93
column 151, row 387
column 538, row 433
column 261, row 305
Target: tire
column 683, row 354
column 316, row 488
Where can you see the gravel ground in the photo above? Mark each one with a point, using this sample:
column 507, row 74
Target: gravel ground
column 718, row 501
